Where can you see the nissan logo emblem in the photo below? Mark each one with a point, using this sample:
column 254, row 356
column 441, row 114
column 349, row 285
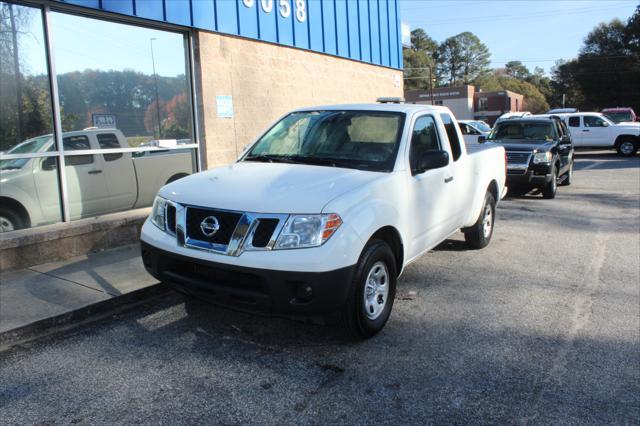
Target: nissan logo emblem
column 209, row 226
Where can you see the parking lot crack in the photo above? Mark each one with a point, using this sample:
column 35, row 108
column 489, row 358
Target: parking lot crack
column 588, row 286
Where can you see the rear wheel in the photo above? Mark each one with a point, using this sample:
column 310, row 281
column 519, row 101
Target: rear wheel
column 373, row 290
column 626, row 148
column 479, row 235
column 550, row 189
column 568, row 177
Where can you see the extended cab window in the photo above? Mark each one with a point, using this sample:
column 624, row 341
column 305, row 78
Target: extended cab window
column 574, row 121
column 424, row 137
column 77, row 143
column 366, row 140
column 109, row 141
column 452, row 134
column 591, row 121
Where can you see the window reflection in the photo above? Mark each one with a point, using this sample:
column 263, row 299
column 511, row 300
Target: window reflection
column 29, row 194
column 121, row 86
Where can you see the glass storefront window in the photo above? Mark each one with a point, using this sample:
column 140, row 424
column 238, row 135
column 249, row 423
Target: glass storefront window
column 29, row 192
column 125, row 114
column 121, row 86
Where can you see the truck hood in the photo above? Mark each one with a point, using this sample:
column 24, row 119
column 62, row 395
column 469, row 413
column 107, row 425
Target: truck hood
column 515, row 145
column 267, row 187
column 633, row 127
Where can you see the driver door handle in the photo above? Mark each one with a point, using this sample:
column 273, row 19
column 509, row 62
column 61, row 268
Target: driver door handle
column 586, row 130
column 94, row 172
column 449, row 179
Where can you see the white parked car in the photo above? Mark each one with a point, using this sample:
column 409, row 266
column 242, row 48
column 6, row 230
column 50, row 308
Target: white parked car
column 324, row 211
column 473, row 129
column 96, row 184
column 595, row 130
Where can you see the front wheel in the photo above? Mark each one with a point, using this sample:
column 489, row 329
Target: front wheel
column 479, row 235
column 373, row 290
column 550, row 189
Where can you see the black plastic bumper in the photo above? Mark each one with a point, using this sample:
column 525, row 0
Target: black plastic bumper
column 534, row 177
column 284, row 292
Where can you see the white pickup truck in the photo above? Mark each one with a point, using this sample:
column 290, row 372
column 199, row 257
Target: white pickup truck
column 594, row 130
column 96, row 184
column 323, row 212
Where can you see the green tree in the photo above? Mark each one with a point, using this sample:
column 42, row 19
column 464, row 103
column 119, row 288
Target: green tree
column 534, row 100
column 607, row 71
column 517, row 69
column 462, row 58
column 418, row 59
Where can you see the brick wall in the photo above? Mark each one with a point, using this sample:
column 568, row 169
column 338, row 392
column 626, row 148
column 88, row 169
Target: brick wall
column 267, row 81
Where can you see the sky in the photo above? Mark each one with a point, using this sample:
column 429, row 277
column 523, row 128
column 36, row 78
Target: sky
column 535, row 32
column 80, row 43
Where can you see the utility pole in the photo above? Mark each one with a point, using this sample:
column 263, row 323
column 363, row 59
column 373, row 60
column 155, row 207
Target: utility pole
column 155, row 82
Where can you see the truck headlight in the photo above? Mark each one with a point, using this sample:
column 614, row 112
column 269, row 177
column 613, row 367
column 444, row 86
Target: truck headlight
column 542, row 157
column 302, row 231
column 158, row 212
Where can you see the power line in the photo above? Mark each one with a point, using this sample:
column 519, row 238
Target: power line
column 557, row 12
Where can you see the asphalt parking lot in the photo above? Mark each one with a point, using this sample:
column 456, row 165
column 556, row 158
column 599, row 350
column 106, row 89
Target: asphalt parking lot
column 540, row 327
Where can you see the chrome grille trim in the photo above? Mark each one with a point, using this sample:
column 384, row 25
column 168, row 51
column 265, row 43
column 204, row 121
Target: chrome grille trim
column 241, row 238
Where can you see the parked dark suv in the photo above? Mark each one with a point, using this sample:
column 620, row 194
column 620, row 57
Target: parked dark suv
column 539, row 152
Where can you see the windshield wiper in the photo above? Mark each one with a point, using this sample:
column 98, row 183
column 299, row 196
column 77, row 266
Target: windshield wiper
column 266, row 158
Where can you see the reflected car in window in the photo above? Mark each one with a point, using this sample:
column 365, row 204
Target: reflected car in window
column 96, row 183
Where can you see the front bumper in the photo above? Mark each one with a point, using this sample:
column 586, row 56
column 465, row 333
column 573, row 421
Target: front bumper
column 533, row 176
column 272, row 291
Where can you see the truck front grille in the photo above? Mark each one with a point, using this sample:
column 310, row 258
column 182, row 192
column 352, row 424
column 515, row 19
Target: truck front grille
column 264, row 232
column 518, row 157
column 227, row 222
column 171, row 218
column 223, row 231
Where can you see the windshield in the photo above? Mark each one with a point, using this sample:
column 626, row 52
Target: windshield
column 366, row 140
column 482, row 126
column 523, row 130
column 27, row 147
column 619, row 117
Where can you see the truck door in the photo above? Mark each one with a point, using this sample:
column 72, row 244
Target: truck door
column 458, row 182
column 429, row 221
column 88, row 195
column 595, row 132
column 575, row 127
column 118, row 172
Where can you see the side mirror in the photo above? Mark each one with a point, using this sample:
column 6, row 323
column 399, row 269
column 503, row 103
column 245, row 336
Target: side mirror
column 605, row 124
column 50, row 163
column 430, row 160
column 482, row 139
column 565, row 140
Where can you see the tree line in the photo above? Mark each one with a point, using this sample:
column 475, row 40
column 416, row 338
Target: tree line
column 606, row 72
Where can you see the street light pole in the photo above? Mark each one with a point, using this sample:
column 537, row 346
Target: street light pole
column 155, row 81
column 431, row 82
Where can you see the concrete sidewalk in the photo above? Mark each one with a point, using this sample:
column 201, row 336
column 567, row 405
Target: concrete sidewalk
column 42, row 299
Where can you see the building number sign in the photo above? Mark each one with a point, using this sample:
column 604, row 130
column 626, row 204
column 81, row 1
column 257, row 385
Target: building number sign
column 284, row 7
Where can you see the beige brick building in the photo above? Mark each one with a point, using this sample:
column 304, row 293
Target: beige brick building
column 266, row 81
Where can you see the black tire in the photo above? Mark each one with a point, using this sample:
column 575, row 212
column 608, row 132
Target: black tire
column 354, row 315
column 568, row 177
column 10, row 220
column 627, row 147
column 479, row 235
column 550, row 189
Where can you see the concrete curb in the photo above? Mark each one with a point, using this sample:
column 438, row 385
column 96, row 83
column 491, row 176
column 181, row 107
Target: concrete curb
column 84, row 315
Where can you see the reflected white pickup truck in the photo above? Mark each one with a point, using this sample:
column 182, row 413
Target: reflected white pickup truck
column 320, row 215
column 96, row 184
